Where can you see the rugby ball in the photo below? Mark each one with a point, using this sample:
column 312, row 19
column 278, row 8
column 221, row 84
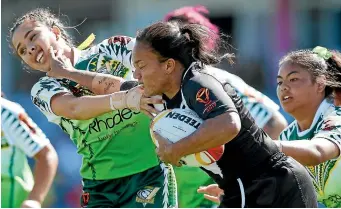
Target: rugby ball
column 176, row 124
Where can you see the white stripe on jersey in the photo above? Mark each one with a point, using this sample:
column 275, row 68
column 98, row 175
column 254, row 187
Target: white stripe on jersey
column 20, row 130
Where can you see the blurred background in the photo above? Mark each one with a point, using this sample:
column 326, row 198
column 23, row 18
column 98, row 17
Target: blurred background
column 261, row 31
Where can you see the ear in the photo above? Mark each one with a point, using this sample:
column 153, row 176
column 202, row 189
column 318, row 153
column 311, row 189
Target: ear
column 170, row 66
column 56, row 30
column 321, row 83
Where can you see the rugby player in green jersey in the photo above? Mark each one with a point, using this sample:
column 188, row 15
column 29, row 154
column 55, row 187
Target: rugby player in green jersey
column 119, row 164
column 22, row 138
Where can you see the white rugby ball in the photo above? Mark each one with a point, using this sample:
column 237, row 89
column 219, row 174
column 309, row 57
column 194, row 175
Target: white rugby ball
column 176, row 124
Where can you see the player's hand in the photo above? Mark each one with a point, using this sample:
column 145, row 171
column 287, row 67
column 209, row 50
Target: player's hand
column 135, row 99
column 165, row 151
column 60, row 65
column 211, row 192
column 31, row 204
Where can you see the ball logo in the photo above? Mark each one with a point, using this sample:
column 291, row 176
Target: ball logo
column 203, row 96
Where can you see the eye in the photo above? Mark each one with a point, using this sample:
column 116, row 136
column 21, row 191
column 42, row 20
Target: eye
column 34, row 35
column 142, row 67
column 279, row 83
column 293, row 79
column 22, row 51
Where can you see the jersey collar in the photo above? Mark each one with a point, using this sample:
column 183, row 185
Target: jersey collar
column 324, row 106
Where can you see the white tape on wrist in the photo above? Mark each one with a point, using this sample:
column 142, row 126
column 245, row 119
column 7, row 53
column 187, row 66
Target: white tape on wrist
column 112, row 103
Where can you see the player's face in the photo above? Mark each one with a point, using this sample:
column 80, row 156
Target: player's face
column 32, row 40
column 296, row 89
column 149, row 70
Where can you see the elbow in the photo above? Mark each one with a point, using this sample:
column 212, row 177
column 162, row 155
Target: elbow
column 77, row 113
column 48, row 156
column 318, row 155
column 232, row 128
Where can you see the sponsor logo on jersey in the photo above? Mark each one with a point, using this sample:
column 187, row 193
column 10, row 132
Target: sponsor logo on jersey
column 104, row 124
column 203, row 96
column 147, row 195
column 184, row 118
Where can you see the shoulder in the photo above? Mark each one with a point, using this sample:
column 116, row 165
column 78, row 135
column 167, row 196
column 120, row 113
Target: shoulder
column 11, row 107
column 288, row 132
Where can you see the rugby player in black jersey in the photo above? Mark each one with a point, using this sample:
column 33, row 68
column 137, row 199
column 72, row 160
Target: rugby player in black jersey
column 170, row 60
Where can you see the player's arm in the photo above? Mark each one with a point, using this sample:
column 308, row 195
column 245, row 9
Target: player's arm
column 46, row 162
column 28, row 137
column 56, row 101
column 275, row 125
column 118, row 48
column 221, row 121
column 325, row 145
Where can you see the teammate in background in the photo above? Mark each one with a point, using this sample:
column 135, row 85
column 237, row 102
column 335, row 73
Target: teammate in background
column 22, row 138
column 263, row 110
column 119, row 164
column 314, row 138
column 306, row 79
column 170, row 60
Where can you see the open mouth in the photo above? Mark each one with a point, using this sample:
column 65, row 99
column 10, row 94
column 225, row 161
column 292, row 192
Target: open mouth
column 40, row 56
column 286, row 98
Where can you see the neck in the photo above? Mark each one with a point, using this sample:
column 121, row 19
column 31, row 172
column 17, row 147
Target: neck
column 174, row 84
column 305, row 116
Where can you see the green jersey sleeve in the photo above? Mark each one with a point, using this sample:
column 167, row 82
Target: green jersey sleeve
column 42, row 93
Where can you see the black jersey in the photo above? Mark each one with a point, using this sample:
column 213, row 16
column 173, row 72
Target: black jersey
column 209, row 94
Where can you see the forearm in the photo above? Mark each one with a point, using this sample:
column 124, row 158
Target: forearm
column 44, row 173
column 309, row 152
column 97, row 82
column 213, row 133
column 87, row 107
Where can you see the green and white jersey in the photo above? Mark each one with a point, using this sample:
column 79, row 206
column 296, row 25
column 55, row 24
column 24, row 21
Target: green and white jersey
column 259, row 105
column 112, row 145
column 20, row 138
column 325, row 176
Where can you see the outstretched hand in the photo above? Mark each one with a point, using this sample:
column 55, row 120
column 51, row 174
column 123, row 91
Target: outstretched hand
column 211, row 192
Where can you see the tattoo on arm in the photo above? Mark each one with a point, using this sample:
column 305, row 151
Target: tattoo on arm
column 102, row 80
column 108, row 86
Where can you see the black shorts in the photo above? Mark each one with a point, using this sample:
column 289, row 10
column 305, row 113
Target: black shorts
column 285, row 184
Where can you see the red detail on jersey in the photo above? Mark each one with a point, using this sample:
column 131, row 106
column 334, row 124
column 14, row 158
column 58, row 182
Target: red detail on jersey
column 23, row 118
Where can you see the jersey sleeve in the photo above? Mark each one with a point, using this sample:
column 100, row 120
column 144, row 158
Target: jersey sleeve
column 331, row 130
column 20, row 131
column 208, row 97
column 119, row 48
column 42, row 93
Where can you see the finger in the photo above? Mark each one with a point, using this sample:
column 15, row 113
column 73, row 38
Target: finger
column 59, row 53
column 160, row 139
column 178, row 164
column 212, row 198
column 52, row 52
column 202, row 189
column 152, row 100
column 147, row 113
column 149, row 109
